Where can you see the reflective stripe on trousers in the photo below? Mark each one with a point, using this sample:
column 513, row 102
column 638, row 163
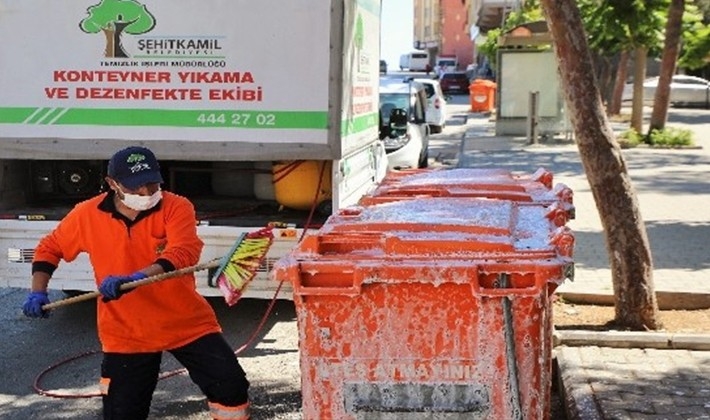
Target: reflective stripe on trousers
column 223, row 412
column 103, row 385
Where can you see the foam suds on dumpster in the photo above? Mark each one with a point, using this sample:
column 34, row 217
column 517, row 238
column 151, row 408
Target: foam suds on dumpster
column 430, row 307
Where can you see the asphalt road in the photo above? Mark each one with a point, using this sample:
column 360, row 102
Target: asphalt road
column 63, row 348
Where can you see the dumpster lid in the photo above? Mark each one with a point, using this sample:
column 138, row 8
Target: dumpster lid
column 442, row 225
column 472, row 178
column 461, row 233
column 471, row 182
column 473, row 215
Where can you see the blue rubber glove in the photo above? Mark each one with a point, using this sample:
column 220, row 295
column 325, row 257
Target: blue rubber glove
column 110, row 287
column 33, row 305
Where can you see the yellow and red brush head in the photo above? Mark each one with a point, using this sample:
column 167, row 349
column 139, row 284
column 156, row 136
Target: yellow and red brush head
column 239, row 267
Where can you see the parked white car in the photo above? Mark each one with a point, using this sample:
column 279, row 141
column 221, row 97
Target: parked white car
column 436, row 104
column 403, row 127
column 685, row 91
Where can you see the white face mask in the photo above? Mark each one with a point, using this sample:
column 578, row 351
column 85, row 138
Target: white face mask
column 141, row 202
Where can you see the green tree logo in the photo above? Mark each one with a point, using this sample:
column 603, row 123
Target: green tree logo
column 115, row 17
column 359, row 40
column 359, row 32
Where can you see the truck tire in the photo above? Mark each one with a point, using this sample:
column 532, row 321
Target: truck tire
column 424, row 159
column 325, row 208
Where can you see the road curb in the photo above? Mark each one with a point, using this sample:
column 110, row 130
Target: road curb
column 666, row 300
column 631, row 339
column 577, row 396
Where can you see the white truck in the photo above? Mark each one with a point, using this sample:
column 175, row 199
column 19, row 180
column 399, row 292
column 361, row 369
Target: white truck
column 446, row 63
column 242, row 101
column 414, row 61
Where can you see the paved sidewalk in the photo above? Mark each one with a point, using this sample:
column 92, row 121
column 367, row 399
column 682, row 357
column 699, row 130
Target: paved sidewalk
column 673, row 190
column 602, row 377
column 611, row 383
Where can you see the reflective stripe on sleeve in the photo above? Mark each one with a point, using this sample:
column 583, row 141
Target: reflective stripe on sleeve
column 103, row 385
column 223, row 412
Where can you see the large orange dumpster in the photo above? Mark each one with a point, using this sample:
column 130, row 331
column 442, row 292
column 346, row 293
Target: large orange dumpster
column 482, row 93
column 428, row 306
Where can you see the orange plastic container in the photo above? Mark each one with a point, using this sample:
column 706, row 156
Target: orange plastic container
column 535, row 188
column 297, row 182
column 428, row 305
column 483, row 95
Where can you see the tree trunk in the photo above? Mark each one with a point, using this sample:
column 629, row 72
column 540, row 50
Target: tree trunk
column 668, row 62
column 604, row 76
column 615, row 103
column 626, row 240
column 108, row 51
column 638, row 99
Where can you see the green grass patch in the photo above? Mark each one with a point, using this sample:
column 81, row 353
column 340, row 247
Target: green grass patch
column 668, row 137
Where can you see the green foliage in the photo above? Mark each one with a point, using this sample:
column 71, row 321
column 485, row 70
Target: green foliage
column 629, row 138
column 668, row 137
column 704, row 7
column 696, row 39
column 607, row 35
column 671, row 136
column 697, row 49
column 106, row 14
column 530, row 12
column 631, row 23
column 490, row 48
column 617, row 25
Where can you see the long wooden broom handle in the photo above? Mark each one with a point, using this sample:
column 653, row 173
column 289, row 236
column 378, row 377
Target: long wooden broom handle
column 142, row 282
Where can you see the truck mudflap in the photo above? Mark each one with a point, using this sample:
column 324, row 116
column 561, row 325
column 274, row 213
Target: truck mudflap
column 19, row 237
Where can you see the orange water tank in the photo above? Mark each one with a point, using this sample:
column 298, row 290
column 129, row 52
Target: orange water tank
column 297, row 182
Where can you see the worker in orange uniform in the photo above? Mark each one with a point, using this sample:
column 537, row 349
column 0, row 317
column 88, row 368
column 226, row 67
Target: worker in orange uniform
column 133, row 231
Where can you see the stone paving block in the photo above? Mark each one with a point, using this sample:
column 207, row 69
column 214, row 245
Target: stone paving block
column 636, row 403
column 658, row 384
column 615, row 413
column 693, row 411
column 662, row 405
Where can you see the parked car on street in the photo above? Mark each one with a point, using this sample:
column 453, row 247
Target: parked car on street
column 403, row 127
column 454, row 82
column 436, row 104
column 685, row 91
column 383, row 67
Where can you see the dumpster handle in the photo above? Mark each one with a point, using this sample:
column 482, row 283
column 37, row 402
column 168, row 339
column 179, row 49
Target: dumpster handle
column 517, row 414
column 350, row 284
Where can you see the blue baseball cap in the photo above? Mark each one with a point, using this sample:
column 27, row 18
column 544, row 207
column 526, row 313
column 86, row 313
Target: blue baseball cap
column 134, row 167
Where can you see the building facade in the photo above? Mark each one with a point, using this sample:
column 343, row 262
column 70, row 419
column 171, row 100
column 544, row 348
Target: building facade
column 427, row 32
column 450, row 27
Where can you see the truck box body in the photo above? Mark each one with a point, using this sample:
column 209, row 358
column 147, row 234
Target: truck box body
column 446, row 63
column 218, row 89
column 414, row 61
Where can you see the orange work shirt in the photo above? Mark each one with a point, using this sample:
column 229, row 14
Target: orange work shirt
column 156, row 317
